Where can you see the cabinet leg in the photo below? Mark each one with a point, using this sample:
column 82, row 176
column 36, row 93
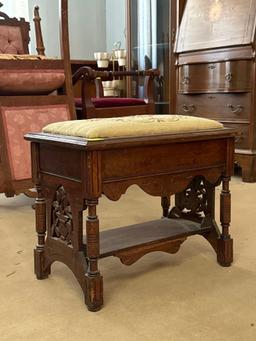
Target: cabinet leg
column 225, row 243
column 249, row 169
column 40, row 212
column 248, row 166
column 94, row 280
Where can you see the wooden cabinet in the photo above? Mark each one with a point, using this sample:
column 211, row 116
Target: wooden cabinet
column 215, row 77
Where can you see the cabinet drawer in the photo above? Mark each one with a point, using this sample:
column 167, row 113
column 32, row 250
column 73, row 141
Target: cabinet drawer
column 216, row 77
column 216, row 106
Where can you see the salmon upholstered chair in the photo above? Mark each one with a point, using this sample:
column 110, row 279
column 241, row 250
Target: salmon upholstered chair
column 29, row 98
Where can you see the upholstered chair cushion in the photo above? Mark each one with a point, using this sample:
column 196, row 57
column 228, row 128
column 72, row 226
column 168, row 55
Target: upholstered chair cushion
column 17, row 121
column 34, row 81
column 29, row 82
column 11, row 56
column 108, row 102
column 139, row 125
column 11, row 40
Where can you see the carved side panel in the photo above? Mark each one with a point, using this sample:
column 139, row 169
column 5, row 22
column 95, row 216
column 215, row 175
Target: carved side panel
column 196, row 202
column 62, row 224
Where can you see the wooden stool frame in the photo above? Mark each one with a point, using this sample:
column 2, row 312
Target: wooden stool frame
column 71, row 174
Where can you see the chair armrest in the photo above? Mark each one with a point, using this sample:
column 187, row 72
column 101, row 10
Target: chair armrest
column 83, row 72
column 110, row 75
column 90, row 74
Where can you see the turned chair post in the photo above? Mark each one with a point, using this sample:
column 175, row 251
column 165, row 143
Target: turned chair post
column 40, row 210
column 65, row 54
column 39, row 37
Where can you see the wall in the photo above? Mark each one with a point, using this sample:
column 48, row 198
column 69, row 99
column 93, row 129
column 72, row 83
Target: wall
column 15, row 8
column 115, row 23
column 87, row 27
column 94, row 25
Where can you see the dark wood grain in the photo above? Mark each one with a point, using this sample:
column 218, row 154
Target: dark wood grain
column 71, row 175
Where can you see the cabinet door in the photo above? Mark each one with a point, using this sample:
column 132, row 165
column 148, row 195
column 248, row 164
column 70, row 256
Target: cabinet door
column 148, row 46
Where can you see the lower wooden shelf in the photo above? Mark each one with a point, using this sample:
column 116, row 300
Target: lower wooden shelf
column 157, row 235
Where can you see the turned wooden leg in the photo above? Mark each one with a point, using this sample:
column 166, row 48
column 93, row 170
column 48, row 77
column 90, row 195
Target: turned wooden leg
column 225, row 243
column 94, row 281
column 40, row 212
column 165, row 203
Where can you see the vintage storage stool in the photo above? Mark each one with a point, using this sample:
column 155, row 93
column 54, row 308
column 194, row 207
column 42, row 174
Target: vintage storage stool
column 76, row 162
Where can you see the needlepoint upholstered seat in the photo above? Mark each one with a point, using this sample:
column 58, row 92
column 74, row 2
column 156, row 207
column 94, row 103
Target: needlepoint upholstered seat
column 140, row 125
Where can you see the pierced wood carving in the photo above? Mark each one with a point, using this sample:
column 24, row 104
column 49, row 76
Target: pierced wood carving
column 62, row 225
column 130, row 256
column 196, row 202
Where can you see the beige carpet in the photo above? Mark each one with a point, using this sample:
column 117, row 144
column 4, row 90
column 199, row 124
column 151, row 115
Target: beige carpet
column 186, row 296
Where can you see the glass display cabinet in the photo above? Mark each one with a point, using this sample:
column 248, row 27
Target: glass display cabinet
column 149, row 46
column 151, row 28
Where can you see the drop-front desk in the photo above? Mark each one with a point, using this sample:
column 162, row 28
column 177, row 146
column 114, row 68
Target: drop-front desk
column 71, row 174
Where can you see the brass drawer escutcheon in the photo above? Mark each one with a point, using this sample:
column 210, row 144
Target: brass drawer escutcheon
column 239, row 138
column 188, row 108
column 236, row 109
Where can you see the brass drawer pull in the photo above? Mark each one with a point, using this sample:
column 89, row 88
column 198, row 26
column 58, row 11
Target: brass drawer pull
column 186, row 80
column 229, row 77
column 236, row 109
column 239, row 138
column 190, row 108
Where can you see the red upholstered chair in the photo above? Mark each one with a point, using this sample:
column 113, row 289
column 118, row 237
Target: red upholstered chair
column 93, row 104
column 27, row 101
